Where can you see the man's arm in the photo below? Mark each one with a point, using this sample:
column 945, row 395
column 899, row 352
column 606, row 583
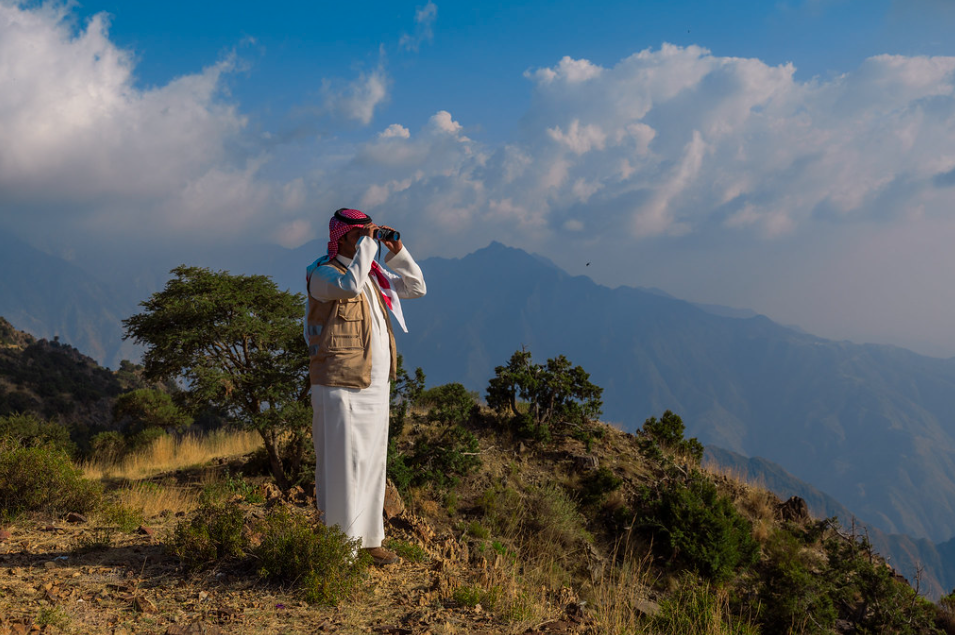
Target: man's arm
column 409, row 281
column 328, row 283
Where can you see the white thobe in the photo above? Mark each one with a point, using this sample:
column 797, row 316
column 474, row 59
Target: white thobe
column 350, row 425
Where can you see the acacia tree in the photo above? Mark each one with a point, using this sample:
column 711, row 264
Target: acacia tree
column 235, row 343
column 555, row 392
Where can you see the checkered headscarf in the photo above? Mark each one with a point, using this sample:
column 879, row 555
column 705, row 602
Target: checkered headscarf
column 337, row 228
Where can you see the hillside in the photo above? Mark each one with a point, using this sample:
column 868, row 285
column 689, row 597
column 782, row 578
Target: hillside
column 534, row 539
column 56, row 382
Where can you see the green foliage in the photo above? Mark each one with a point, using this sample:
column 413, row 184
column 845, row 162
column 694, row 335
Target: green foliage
column 446, row 452
column 557, row 394
column 43, row 479
column 864, row 591
column 150, row 408
column 443, row 457
column 236, row 342
column 28, row 430
column 793, row 595
column 212, row 535
column 108, row 447
column 692, row 524
column 451, row 404
column 124, row 517
column 407, row 550
column 668, row 433
column 321, row 561
column 405, row 392
column 597, row 485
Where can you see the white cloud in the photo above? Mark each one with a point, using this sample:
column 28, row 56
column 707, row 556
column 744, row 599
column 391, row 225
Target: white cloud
column 568, row 70
column 424, row 27
column 359, row 98
column 394, row 131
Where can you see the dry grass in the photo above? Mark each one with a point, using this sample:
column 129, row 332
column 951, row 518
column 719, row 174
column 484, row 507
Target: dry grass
column 152, row 500
column 753, row 500
column 167, row 454
column 619, row 593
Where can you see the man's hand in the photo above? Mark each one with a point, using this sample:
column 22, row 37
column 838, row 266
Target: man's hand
column 394, row 246
column 368, row 230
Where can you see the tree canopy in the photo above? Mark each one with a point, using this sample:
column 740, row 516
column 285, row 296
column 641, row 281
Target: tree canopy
column 235, row 344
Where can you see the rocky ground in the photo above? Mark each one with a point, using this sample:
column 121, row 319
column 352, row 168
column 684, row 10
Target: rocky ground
column 72, row 576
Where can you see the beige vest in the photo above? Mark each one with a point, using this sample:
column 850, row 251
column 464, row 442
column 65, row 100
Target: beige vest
column 339, row 339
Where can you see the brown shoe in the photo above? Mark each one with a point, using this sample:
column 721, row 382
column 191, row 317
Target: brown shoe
column 381, row 556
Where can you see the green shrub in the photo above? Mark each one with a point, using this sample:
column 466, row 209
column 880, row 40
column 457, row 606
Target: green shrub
column 556, row 393
column 793, row 594
column 28, row 430
column 692, row 524
column 108, row 447
column 668, row 433
column 864, row 591
column 213, row 534
column 43, row 479
column 321, row 561
column 596, row 485
column 123, row 516
column 450, row 404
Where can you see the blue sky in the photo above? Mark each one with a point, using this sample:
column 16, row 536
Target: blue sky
column 794, row 157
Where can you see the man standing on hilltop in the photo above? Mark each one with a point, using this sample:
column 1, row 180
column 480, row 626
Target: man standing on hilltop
column 352, row 360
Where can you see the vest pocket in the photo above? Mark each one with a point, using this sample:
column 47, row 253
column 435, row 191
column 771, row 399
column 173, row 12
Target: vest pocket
column 350, row 311
column 344, row 343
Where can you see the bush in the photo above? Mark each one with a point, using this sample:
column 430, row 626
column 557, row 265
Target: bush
column 108, row 447
column 692, row 524
column 668, row 433
column 213, row 534
column 864, row 591
column 451, row 404
column 43, row 479
column 597, row 485
column 790, row 593
column 28, row 430
column 321, row 561
column 556, row 393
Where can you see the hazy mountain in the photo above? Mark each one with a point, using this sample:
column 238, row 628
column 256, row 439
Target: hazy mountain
column 873, row 426
column 52, row 298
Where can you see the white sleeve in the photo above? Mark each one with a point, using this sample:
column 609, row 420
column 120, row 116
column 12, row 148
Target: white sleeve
column 409, row 281
column 328, row 283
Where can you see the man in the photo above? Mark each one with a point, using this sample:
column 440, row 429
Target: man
column 352, row 360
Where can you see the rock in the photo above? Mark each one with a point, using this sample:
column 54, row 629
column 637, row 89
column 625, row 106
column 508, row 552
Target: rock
column 73, row 517
column 585, row 463
column 5, row 535
column 648, row 608
column 394, row 506
column 270, row 491
column 296, row 495
column 143, row 605
column 794, row 510
column 143, row 530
